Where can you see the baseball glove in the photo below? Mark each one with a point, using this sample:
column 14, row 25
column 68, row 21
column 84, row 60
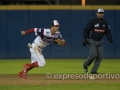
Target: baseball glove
column 60, row 42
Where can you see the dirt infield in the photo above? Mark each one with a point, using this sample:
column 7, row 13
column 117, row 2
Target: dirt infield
column 43, row 80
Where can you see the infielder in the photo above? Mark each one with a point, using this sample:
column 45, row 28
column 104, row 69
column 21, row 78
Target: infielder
column 93, row 33
column 44, row 38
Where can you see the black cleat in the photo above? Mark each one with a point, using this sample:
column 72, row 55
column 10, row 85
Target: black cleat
column 94, row 73
column 85, row 68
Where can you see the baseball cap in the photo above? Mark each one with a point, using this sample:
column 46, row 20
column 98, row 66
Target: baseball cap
column 55, row 23
column 100, row 10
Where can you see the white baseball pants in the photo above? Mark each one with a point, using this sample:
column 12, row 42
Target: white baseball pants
column 36, row 55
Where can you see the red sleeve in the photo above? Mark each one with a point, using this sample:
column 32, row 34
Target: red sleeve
column 29, row 31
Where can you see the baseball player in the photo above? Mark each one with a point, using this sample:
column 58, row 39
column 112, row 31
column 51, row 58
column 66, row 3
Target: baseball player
column 44, row 38
column 93, row 32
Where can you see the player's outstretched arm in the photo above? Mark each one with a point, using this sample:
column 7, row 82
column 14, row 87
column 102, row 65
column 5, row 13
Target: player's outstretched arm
column 29, row 31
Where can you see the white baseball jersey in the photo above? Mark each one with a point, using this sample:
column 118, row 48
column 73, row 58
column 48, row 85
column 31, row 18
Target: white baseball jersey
column 45, row 37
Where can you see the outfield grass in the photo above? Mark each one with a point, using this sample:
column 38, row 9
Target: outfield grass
column 58, row 66
column 66, row 66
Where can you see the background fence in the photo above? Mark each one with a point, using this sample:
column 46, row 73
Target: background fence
column 13, row 19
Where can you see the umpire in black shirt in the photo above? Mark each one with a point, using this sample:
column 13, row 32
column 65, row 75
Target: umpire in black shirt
column 93, row 32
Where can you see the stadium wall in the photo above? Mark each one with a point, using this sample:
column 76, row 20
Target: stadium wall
column 15, row 18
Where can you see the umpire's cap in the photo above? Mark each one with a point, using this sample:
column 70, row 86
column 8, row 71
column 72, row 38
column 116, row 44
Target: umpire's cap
column 100, row 10
column 55, row 23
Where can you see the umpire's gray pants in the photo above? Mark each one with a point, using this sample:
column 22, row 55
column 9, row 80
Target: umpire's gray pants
column 96, row 53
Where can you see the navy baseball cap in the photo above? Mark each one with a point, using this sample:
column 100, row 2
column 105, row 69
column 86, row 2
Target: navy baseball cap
column 55, row 23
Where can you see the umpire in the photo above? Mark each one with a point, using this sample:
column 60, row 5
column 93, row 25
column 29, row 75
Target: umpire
column 93, row 32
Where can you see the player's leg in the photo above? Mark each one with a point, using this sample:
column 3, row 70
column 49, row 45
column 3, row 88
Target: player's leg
column 98, row 59
column 37, row 59
column 92, row 56
column 27, row 67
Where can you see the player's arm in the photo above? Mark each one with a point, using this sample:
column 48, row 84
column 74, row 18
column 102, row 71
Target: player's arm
column 108, row 33
column 87, row 29
column 29, row 31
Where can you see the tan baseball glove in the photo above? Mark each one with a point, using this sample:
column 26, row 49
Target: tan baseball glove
column 60, row 42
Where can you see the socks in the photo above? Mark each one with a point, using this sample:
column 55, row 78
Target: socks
column 35, row 64
column 30, row 66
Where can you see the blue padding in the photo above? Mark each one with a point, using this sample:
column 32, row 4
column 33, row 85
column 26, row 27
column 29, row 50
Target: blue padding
column 117, row 34
column 79, row 20
column 3, row 34
column 17, row 21
column 14, row 45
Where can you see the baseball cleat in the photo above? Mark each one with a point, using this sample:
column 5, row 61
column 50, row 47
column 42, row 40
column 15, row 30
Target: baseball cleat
column 22, row 75
column 85, row 68
column 94, row 73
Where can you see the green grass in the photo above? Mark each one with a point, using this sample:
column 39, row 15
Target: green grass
column 61, row 66
column 58, row 66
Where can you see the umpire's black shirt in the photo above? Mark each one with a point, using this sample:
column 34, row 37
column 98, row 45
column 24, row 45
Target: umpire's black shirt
column 96, row 28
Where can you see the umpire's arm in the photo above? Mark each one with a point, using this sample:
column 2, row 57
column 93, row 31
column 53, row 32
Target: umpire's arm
column 108, row 33
column 87, row 29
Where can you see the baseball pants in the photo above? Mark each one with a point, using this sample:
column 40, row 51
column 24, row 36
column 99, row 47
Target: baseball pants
column 96, row 53
column 37, row 56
